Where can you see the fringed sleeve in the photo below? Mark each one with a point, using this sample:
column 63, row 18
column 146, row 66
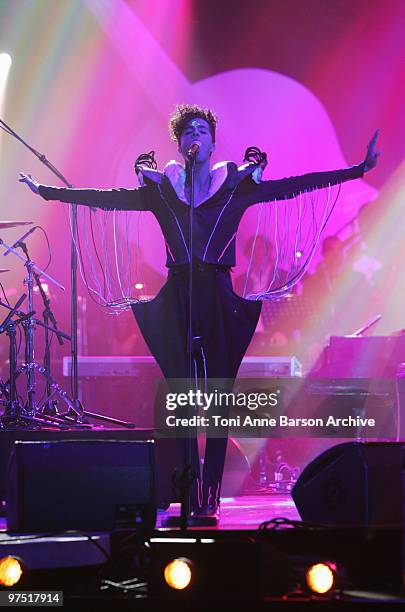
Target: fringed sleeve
column 142, row 198
column 286, row 188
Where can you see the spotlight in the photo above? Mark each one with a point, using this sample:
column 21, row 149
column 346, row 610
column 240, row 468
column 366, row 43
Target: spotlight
column 298, row 254
column 5, row 61
column 139, row 286
column 320, row 577
column 11, row 570
column 178, row 574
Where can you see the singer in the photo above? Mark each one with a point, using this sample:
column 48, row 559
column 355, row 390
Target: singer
column 223, row 322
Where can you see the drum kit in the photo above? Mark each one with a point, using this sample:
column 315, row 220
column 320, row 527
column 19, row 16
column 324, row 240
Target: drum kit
column 25, row 414
column 17, row 412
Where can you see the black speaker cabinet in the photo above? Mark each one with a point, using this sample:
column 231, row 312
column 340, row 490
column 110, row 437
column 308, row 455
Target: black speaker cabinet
column 356, row 483
column 89, row 485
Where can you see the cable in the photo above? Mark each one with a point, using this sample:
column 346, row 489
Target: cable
column 49, row 247
column 4, row 294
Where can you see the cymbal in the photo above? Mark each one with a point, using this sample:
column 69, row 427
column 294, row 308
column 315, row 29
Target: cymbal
column 7, row 224
column 4, row 270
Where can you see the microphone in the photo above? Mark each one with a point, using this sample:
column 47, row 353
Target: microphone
column 193, row 150
column 16, row 244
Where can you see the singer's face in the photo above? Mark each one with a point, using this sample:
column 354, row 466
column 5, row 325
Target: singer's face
column 197, row 130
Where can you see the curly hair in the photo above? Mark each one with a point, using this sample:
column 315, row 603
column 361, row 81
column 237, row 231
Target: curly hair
column 183, row 112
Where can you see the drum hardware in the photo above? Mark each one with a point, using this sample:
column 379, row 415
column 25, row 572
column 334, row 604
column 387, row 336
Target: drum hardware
column 17, row 415
column 79, row 411
column 48, row 412
column 13, row 408
column 282, row 480
column 285, row 478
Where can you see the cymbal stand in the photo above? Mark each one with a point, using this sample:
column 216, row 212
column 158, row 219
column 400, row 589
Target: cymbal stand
column 49, row 406
column 13, row 408
column 30, row 366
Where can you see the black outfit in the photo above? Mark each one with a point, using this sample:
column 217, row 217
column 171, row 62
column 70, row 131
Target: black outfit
column 225, row 321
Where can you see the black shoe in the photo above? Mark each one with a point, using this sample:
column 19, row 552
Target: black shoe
column 210, row 510
column 206, row 516
column 203, row 516
column 210, row 507
column 200, row 517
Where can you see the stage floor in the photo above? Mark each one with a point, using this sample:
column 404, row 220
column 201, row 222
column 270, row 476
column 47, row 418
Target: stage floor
column 242, row 512
column 247, row 511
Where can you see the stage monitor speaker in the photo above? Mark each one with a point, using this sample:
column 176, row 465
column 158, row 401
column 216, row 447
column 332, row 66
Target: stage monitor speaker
column 355, row 483
column 88, row 485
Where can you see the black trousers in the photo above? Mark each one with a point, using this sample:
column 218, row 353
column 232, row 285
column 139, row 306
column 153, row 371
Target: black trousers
column 225, row 324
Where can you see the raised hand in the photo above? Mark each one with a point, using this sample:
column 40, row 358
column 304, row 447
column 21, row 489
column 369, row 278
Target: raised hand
column 372, row 155
column 28, row 180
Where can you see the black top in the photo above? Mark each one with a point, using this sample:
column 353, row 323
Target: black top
column 215, row 221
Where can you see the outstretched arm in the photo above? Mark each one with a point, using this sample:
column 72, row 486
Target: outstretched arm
column 108, row 199
column 289, row 187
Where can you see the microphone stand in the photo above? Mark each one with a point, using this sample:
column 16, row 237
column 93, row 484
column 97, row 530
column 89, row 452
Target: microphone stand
column 186, row 479
column 186, row 505
column 194, row 346
column 190, row 274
